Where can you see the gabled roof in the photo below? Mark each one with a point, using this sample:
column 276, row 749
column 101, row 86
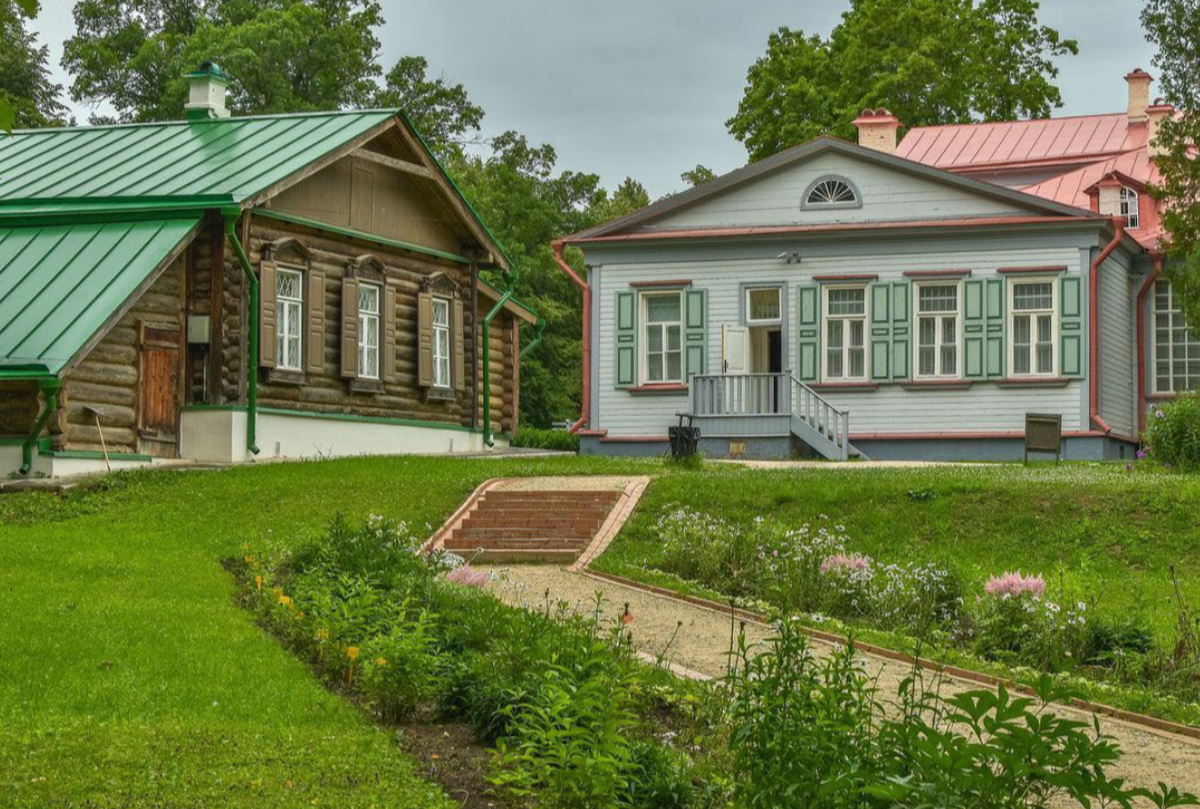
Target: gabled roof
column 805, row 151
column 964, row 147
column 1071, row 188
column 61, row 284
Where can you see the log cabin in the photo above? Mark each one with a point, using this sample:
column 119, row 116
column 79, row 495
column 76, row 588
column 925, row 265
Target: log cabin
column 220, row 289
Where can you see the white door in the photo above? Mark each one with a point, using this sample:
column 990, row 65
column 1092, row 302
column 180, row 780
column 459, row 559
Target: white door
column 735, row 349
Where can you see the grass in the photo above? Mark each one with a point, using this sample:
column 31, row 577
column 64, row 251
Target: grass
column 129, row 677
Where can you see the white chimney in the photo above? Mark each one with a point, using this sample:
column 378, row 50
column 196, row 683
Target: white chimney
column 1139, row 94
column 206, row 93
column 1156, row 113
column 877, row 130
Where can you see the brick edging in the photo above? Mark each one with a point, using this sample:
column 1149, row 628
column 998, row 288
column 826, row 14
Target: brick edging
column 611, row 526
column 1187, row 733
column 439, row 536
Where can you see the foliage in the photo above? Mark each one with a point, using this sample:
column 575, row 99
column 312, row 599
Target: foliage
column 1173, row 27
column 928, row 61
column 698, row 176
column 439, row 110
column 1173, row 432
column 560, row 440
column 28, row 98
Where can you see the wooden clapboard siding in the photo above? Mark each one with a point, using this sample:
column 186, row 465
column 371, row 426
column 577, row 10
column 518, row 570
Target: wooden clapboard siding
column 110, row 376
column 724, row 271
column 1118, row 360
column 887, row 195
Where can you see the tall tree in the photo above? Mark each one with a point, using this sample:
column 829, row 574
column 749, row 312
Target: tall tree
column 28, row 98
column 281, row 55
column 438, row 108
column 1173, row 26
column 698, row 176
column 928, row 61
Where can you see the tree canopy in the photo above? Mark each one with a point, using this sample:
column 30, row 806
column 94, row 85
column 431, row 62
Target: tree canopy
column 928, row 61
column 1173, row 26
column 28, row 98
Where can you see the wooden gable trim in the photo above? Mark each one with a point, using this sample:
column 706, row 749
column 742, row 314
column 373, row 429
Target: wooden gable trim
column 368, row 262
column 393, row 163
column 440, row 281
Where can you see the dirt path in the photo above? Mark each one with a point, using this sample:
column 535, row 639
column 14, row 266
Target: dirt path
column 702, row 644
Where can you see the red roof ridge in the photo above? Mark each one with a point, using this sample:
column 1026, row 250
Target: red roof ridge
column 1015, row 121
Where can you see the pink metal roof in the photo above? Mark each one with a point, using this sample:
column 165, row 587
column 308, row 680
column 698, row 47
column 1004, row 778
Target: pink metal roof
column 1007, row 143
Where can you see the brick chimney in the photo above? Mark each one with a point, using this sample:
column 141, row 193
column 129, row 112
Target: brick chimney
column 1139, row 94
column 206, row 93
column 1156, row 113
column 877, row 130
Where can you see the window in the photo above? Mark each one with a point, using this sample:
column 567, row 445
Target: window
column 289, row 306
column 1176, row 347
column 846, row 333
column 1032, row 328
column 368, row 331
column 1129, row 206
column 441, row 343
column 663, row 338
column 762, row 306
column 937, row 330
column 830, row 191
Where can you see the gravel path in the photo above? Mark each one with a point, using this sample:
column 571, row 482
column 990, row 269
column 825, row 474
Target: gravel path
column 702, row 645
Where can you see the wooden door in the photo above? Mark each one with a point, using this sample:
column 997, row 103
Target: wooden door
column 158, row 422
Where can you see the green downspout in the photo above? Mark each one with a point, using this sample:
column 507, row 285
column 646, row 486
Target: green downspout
column 537, row 337
column 50, row 387
column 231, row 217
column 488, row 438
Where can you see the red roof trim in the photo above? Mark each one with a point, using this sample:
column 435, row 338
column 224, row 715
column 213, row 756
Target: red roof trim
column 672, row 284
column 936, row 273
column 865, row 276
column 1028, row 270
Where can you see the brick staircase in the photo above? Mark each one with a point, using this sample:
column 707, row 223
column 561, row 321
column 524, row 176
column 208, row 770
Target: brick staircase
column 514, row 525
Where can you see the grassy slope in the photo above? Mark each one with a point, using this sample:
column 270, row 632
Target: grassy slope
column 1108, row 532
column 128, row 675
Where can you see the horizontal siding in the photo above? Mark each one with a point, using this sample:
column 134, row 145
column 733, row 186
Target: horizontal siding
column 890, row 409
column 887, row 195
column 1118, row 399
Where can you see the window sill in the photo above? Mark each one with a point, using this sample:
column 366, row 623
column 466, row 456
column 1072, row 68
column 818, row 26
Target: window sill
column 294, row 379
column 369, row 386
column 937, row 384
column 1034, row 382
column 439, row 395
column 846, row 387
column 672, row 389
column 1165, row 397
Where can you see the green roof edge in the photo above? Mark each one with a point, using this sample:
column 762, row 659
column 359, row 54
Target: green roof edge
column 513, row 299
column 317, row 224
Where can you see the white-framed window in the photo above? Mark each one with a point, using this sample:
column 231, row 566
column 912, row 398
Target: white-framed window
column 441, row 343
column 289, row 313
column 831, row 191
column 662, row 337
column 368, row 330
column 1032, row 327
column 938, row 330
column 1176, row 346
column 763, row 306
column 1129, row 207
column 845, row 333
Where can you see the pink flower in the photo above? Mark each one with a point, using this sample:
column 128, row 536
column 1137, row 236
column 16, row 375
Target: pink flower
column 1012, row 584
column 841, row 562
column 468, row 576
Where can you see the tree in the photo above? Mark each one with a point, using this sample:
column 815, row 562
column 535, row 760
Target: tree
column 27, row 96
column 281, row 56
column 698, row 176
column 928, row 61
column 1173, row 26
column 439, row 109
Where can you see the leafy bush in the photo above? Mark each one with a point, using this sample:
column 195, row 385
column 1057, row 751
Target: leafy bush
column 1173, row 432
column 535, row 438
column 400, row 668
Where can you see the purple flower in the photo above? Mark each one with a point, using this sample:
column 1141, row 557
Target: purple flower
column 1013, row 584
column 1128, row 467
column 1159, row 414
column 1141, row 454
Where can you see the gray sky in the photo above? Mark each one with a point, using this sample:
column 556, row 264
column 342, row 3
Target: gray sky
column 643, row 87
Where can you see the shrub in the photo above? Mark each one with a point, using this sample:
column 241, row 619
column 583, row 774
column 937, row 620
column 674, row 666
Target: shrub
column 1173, row 432
column 400, row 668
column 535, row 438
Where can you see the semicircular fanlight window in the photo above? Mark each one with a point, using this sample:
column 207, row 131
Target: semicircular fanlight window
column 831, row 192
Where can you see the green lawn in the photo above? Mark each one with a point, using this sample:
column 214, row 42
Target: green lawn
column 130, row 678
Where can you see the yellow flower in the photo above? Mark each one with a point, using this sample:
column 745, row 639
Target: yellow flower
column 381, row 661
column 249, row 559
column 285, row 600
column 352, row 652
column 258, row 583
column 322, row 634
column 436, row 757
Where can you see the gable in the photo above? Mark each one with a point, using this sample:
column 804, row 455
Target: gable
column 886, row 194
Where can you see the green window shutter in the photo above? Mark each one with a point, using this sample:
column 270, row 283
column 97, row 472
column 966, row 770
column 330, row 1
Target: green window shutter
column 808, row 332
column 974, row 330
column 879, row 335
column 1070, row 324
column 901, row 329
column 994, row 346
column 625, row 340
column 695, row 332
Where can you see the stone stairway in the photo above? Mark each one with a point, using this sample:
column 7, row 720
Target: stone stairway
column 518, row 525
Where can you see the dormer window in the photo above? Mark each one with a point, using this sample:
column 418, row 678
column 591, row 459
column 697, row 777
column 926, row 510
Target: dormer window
column 831, row 192
column 1129, row 207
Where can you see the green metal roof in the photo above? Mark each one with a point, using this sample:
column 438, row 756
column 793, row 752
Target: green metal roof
column 60, row 283
column 202, row 163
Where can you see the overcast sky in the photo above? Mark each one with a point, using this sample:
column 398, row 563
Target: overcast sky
column 643, row 87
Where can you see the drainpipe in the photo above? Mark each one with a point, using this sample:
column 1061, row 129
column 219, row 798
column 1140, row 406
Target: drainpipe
column 231, row 216
column 1094, row 327
column 511, row 279
column 1147, row 285
column 50, row 387
column 537, row 337
column 586, row 398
